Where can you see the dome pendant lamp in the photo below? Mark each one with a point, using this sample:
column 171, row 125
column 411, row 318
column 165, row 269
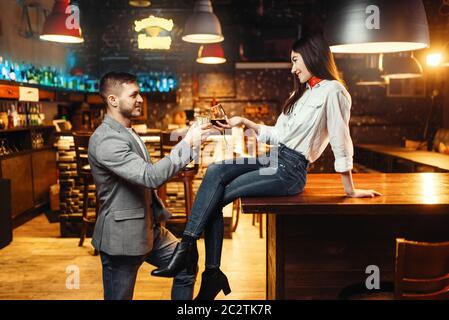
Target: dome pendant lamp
column 203, row 25
column 401, row 65
column 211, row 54
column 377, row 26
column 139, row 3
column 59, row 25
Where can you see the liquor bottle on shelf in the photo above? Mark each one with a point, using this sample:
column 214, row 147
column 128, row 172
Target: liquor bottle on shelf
column 153, row 82
column 39, row 116
column 12, row 73
column 32, row 76
column 1, row 68
column 3, row 114
column 30, row 114
column 10, row 120
column 82, row 84
column 46, row 78
column 18, row 122
column 62, row 80
column 55, row 77
column 23, row 72
column 15, row 115
column 5, row 69
column 171, row 83
column 164, row 83
column 18, row 72
column 26, row 115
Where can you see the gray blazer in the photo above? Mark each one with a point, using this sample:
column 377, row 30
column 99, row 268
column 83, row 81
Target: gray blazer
column 125, row 184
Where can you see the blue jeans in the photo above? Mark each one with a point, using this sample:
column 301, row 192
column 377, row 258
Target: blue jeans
column 245, row 177
column 120, row 272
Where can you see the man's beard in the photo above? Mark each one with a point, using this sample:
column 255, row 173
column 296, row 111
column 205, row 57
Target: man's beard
column 129, row 113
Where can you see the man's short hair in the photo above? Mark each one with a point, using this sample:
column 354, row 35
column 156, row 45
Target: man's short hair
column 114, row 79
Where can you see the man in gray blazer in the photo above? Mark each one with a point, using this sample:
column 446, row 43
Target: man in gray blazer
column 128, row 231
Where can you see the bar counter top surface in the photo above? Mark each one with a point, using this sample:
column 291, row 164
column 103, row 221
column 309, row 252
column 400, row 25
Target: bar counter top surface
column 324, row 193
column 320, row 242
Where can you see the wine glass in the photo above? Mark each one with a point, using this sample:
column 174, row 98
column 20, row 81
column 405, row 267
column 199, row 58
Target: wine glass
column 218, row 115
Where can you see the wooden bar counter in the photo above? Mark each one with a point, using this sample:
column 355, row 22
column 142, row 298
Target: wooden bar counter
column 320, row 241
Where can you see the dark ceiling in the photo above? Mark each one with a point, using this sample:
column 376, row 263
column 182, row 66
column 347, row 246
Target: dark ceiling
column 264, row 28
column 250, row 14
column 232, row 13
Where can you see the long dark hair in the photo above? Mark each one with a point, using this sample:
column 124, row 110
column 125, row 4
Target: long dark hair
column 318, row 59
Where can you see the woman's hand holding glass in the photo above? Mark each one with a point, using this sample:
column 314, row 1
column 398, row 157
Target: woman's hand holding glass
column 230, row 123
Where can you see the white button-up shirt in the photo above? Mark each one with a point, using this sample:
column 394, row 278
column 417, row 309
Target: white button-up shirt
column 320, row 116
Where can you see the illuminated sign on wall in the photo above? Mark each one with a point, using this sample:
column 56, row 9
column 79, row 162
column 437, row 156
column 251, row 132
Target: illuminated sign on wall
column 156, row 34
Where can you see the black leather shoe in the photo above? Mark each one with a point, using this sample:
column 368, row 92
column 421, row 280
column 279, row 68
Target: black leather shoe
column 185, row 256
column 212, row 284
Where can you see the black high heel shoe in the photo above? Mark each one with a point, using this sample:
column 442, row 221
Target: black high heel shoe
column 185, row 256
column 212, row 284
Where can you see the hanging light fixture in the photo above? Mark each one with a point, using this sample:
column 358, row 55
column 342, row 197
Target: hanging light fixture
column 401, row 66
column 444, row 62
column 61, row 25
column 371, row 75
column 211, row 54
column 439, row 59
column 376, row 26
column 203, row 25
column 434, row 59
column 139, row 3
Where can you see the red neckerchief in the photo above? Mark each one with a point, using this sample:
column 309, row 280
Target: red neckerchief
column 314, row 81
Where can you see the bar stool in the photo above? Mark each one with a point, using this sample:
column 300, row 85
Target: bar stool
column 421, row 270
column 81, row 140
column 258, row 218
column 421, row 273
column 185, row 176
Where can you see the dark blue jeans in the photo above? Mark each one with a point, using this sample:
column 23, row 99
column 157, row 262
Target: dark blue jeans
column 285, row 174
column 120, row 272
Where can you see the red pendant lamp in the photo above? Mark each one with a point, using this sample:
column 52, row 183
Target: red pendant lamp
column 59, row 25
column 211, row 54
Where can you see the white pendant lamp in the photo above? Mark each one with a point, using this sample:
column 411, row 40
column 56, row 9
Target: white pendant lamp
column 377, row 26
column 203, row 25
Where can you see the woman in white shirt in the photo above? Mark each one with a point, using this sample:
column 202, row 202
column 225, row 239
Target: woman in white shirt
column 316, row 113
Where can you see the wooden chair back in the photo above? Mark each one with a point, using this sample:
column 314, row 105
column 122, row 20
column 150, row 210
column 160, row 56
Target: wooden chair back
column 422, row 270
column 81, row 140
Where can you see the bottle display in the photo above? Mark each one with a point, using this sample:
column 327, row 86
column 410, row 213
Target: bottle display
column 52, row 77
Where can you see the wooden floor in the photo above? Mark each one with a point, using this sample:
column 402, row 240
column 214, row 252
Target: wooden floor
column 34, row 266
